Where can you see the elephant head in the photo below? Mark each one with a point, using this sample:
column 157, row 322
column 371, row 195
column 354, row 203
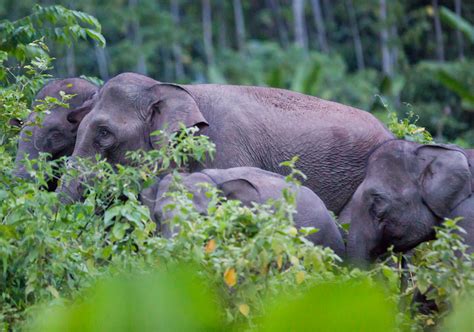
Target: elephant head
column 408, row 189
column 129, row 108
column 55, row 135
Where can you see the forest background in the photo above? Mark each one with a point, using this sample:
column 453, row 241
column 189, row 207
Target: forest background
column 413, row 54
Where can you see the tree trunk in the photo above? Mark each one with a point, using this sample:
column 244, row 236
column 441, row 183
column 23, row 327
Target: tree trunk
column 386, row 62
column 301, row 36
column 101, row 58
column 207, row 31
column 359, row 52
column 70, row 61
column 222, row 39
column 457, row 8
column 438, row 32
column 393, row 48
column 166, row 57
column 70, row 56
column 177, row 52
column 137, row 37
column 282, row 30
column 328, row 10
column 320, row 28
column 239, row 25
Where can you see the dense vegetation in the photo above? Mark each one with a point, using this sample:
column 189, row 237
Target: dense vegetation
column 250, row 267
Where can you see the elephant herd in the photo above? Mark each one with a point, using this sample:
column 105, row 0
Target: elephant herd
column 390, row 191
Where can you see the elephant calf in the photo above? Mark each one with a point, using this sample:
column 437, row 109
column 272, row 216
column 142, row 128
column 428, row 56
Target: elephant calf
column 246, row 184
column 409, row 189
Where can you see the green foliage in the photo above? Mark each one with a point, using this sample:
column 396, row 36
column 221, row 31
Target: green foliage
column 173, row 299
column 457, row 22
column 442, row 270
column 54, row 23
column 366, row 300
column 461, row 319
column 316, row 74
column 16, row 97
column 456, row 77
column 406, row 128
column 153, row 302
column 344, row 306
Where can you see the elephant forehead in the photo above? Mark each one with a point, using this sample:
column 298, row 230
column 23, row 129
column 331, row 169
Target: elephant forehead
column 387, row 166
column 72, row 86
column 112, row 117
column 392, row 156
column 125, row 97
column 53, row 122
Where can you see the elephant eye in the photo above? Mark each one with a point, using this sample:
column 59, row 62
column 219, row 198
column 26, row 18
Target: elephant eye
column 104, row 138
column 56, row 135
column 103, row 133
column 379, row 206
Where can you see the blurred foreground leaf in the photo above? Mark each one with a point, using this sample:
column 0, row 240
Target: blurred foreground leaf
column 171, row 300
column 333, row 307
column 462, row 318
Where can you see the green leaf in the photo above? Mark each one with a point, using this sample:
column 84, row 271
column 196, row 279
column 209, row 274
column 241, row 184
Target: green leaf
column 457, row 22
column 119, row 230
column 97, row 36
column 457, row 86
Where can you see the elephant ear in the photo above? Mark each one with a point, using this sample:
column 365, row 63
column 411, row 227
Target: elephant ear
column 241, row 190
column 445, row 178
column 172, row 105
column 76, row 115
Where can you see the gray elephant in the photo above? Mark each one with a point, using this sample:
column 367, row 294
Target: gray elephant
column 57, row 133
column 409, row 189
column 246, row 184
column 251, row 126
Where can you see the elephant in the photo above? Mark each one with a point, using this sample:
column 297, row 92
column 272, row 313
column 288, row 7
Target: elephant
column 408, row 189
column 250, row 126
column 57, row 133
column 248, row 185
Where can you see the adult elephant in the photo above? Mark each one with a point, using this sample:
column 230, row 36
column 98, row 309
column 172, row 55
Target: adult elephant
column 408, row 190
column 251, row 126
column 55, row 134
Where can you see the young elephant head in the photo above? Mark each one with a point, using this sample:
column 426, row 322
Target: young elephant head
column 408, row 189
column 247, row 185
column 128, row 109
column 56, row 135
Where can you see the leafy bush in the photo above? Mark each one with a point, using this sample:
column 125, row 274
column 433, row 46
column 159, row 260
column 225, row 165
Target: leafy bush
column 442, row 271
column 54, row 23
column 407, row 129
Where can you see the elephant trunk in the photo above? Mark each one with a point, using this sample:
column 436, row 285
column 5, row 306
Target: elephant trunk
column 364, row 242
column 358, row 252
column 70, row 190
column 26, row 151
